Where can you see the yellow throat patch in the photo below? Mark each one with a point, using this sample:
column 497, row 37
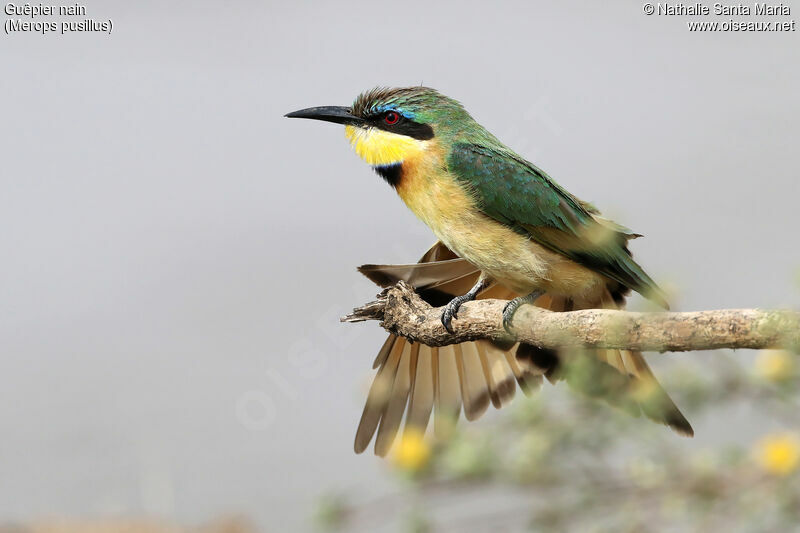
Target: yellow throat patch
column 380, row 147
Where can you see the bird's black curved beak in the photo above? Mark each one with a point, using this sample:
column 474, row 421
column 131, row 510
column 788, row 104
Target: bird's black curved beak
column 330, row 113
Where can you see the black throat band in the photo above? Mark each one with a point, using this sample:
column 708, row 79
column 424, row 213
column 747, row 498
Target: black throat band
column 391, row 173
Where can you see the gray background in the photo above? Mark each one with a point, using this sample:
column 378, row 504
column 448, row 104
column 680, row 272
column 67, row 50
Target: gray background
column 175, row 253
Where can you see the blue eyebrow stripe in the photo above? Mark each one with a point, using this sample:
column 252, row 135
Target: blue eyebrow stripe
column 391, row 107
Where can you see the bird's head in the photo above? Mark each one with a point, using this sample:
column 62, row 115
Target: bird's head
column 388, row 126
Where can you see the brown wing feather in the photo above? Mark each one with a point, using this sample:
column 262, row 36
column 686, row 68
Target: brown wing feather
column 378, row 396
column 420, row 275
column 384, row 351
column 499, row 375
column 420, row 403
column 393, row 415
column 474, row 389
column 446, row 389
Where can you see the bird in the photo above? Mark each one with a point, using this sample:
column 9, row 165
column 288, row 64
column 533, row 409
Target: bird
column 505, row 229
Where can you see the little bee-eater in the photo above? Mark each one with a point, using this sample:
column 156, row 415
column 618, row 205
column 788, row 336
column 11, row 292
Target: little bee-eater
column 505, row 230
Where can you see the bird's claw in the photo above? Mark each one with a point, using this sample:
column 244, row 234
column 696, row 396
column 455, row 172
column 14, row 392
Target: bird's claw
column 451, row 310
column 508, row 315
column 511, row 308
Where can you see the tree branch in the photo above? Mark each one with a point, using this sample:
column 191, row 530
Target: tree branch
column 403, row 312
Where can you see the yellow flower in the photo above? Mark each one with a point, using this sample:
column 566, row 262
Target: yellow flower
column 775, row 365
column 413, row 452
column 779, row 453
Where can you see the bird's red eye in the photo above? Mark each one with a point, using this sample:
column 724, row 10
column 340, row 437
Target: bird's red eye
column 391, row 118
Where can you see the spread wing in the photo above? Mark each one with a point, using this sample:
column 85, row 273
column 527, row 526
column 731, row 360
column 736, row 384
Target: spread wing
column 422, row 380
column 516, row 193
column 416, row 382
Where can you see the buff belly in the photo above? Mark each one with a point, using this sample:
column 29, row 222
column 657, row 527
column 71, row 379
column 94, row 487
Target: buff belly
column 512, row 259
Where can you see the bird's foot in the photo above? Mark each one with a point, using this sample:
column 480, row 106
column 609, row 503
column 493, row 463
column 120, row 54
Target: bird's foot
column 451, row 309
column 511, row 307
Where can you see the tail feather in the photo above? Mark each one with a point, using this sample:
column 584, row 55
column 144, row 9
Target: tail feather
column 528, row 377
column 474, row 389
column 393, row 415
column 446, row 389
column 420, row 403
column 384, row 351
column 378, row 397
column 652, row 398
column 642, row 389
column 614, row 358
column 499, row 376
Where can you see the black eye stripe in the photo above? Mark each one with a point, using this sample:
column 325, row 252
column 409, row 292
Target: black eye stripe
column 403, row 126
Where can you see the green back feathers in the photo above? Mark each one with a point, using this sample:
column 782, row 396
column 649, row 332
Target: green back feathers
column 521, row 196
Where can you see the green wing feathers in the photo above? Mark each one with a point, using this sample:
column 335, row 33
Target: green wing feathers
column 518, row 194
